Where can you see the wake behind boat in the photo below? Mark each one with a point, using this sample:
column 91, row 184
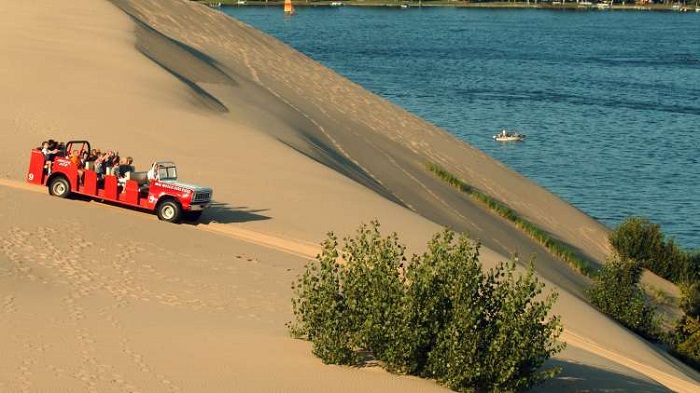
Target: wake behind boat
column 505, row 136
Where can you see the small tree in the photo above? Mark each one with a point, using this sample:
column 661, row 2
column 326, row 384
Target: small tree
column 616, row 292
column 685, row 342
column 321, row 308
column 641, row 240
column 441, row 316
column 690, row 302
column 496, row 335
column 638, row 239
column 374, row 291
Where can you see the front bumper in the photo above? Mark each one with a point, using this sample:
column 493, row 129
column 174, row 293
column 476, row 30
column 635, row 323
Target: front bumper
column 199, row 207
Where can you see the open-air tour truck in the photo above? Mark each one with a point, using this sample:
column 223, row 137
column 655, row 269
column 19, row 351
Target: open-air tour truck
column 170, row 199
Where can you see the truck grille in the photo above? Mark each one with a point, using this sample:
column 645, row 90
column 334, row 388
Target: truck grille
column 201, row 196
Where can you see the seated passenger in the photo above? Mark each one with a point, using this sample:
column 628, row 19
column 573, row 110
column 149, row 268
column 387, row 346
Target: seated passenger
column 125, row 167
column 60, row 149
column 111, row 163
column 115, row 165
column 75, row 160
column 153, row 172
column 48, row 149
column 85, row 160
column 100, row 164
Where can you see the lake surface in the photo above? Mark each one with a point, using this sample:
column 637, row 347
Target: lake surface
column 610, row 101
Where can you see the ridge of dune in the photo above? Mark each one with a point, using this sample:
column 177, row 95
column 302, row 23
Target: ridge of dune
column 105, row 299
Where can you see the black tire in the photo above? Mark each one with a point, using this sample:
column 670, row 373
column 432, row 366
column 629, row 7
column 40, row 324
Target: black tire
column 60, row 187
column 169, row 211
column 193, row 216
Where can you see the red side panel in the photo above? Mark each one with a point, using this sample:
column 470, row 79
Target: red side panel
column 111, row 187
column 132, row 192
column 90, row 183
column 36, row 168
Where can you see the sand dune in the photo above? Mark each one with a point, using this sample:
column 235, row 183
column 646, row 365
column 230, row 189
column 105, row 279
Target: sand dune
column 359, row 135
column 97, row 298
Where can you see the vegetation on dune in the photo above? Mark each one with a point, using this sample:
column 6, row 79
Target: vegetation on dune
column 554, row 246
column 616, row 292
column 642, row 242
column 440, row 316
column 685, row 341
column 639, row 244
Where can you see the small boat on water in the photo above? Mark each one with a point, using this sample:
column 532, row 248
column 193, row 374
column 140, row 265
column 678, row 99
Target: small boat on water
column 505, row 136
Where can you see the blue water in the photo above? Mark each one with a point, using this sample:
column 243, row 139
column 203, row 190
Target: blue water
column 610, row 101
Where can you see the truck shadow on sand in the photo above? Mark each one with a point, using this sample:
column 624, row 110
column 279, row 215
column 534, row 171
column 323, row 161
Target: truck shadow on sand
column 223, row 213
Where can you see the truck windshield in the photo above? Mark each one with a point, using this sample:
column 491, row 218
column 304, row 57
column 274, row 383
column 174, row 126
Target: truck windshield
column 167, row 173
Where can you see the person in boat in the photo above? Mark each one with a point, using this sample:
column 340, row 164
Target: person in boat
column 504, row 133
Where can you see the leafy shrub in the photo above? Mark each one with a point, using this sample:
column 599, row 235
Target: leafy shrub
column 694, row 265
column 374, row 292
column 615, row 291
column 441, row 316
column 495, row 336
column 323, row 308
column 686, row 341
column 690, row 302
column 638, row 239
column 641, row 240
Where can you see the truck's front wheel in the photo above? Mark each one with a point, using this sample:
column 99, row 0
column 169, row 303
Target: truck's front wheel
column 59, row 187
column 170, row 211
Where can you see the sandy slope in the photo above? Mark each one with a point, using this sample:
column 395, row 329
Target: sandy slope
column 354, row 132
column 107, row 311
column 100, row 299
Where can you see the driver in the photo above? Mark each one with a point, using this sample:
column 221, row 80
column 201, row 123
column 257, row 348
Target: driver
column 153, row 172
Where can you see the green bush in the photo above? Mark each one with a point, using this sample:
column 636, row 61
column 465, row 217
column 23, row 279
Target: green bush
column 685, row 343
column 641, row 240
column 324, row 308
column 440, row 316
column 638, row 239
column 616, row 292
column 690, row 302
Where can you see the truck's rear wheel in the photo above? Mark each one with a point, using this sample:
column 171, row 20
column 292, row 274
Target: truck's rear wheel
column 170, row 211
column 59, row 187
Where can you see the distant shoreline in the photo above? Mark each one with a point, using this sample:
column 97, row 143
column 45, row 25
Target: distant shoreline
column 550, row 5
